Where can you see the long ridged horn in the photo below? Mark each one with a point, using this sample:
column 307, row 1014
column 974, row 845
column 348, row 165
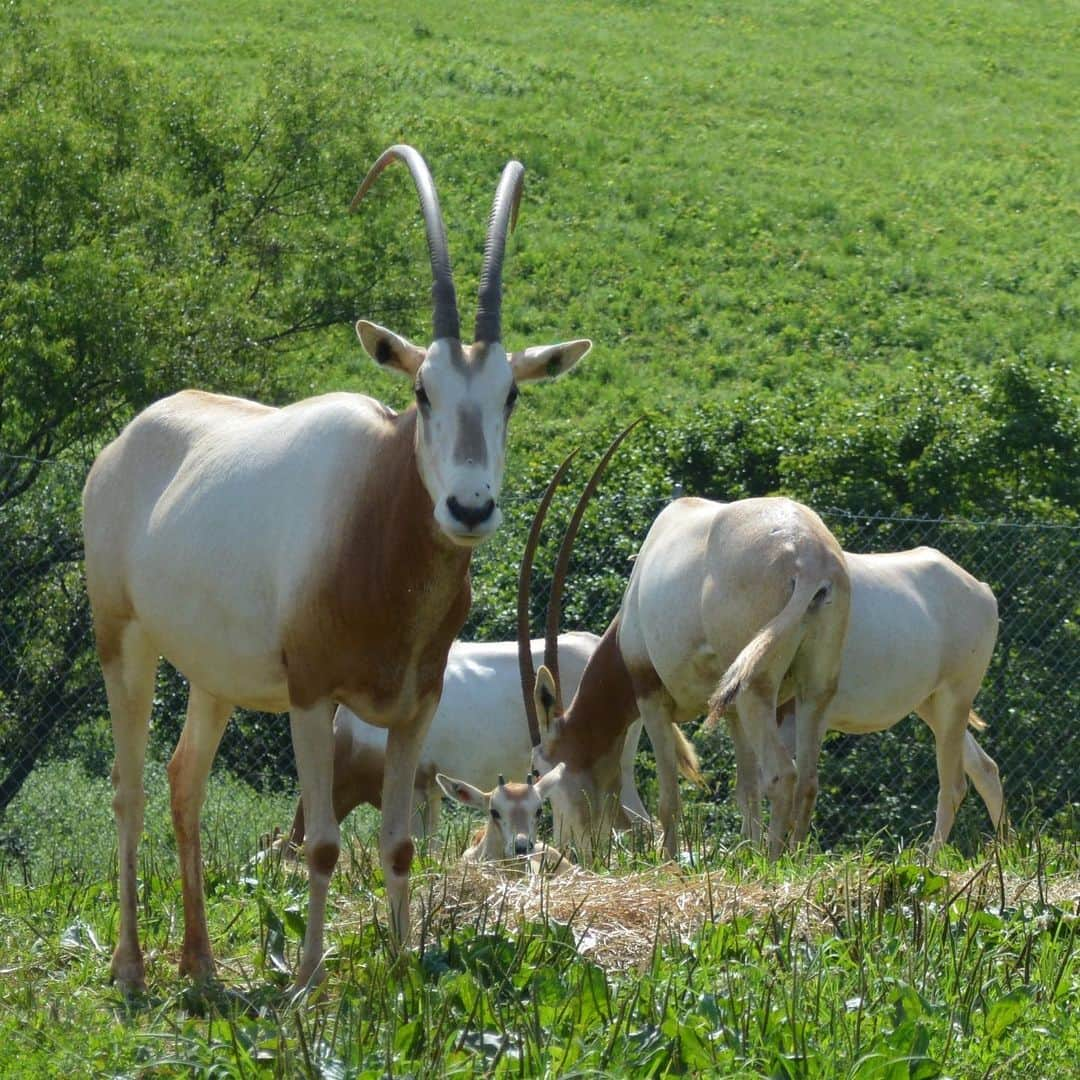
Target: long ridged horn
column 551, row 635
column 504, row 212
column 444, row 300
column 525, row 661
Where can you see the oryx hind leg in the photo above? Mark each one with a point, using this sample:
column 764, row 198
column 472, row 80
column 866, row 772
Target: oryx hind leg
column 129, row 664
column 188, row 770
column 947, row 715
column 756, row 706
column 983, row 770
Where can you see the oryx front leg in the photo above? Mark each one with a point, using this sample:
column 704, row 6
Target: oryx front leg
column 657, row 712
column 129, row 664
column 313, row 744
column 188, row 770
column 396, row 849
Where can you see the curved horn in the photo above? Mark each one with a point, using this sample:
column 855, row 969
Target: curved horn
column 551, row 635
column 525, row 662
column 504, row 212
column 445, row 318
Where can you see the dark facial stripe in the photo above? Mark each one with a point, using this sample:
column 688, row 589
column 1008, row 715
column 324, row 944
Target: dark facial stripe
column 470, row 448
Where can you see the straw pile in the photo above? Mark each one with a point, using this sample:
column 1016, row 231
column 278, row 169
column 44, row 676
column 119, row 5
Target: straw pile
column 618, row 920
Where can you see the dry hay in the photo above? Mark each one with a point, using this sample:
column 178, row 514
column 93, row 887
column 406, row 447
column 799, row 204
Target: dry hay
column 618, row 919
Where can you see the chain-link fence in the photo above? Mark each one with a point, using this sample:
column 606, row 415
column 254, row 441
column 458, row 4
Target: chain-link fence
column 52, row 703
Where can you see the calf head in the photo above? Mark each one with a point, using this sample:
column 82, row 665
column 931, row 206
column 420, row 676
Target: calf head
column 513, row 810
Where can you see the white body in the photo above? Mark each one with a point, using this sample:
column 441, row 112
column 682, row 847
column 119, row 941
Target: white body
column 920, row 636
column 750, row 596
column 478, row 732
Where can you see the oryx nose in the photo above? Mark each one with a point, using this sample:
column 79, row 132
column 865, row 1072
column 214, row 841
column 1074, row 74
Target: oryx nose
column 522, row 845
column 470, row 516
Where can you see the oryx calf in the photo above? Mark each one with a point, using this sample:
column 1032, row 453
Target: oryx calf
column 513, row 811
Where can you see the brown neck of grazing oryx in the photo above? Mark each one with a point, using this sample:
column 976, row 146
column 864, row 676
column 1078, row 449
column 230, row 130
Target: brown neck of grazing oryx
column 603, row 707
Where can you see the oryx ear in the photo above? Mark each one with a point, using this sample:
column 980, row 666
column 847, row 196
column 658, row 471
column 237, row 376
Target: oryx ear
column 544, row 699
column 389, row 350
column 547, row 361
column 461, row 792
column 550, row 780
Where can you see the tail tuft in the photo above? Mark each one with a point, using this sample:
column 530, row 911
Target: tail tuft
column 686, row 758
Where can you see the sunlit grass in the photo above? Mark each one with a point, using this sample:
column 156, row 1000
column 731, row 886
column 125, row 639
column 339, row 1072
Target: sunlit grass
column 822, row 965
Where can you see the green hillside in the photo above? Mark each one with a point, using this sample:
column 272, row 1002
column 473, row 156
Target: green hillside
column 721, row 195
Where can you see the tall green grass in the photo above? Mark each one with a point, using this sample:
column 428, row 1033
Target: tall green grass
column 868, row 966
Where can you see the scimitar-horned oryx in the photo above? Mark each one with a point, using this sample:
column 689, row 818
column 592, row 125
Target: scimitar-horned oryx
column 294, row 558
column 751, row 596
column 513, row 811
column 920, row 637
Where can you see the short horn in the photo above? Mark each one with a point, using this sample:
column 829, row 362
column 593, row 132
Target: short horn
column 444, row 299
column 551, row 635
column 504, row 212
column 502, row 780
column 525, row 661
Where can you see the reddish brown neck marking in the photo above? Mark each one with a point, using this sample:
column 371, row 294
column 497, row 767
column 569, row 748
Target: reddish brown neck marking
column 395, row 590
column 603, row 707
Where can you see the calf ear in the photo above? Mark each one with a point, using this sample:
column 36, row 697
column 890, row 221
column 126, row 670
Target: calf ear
column 461, row 792
column 547, row 361
column 550, row 780
column 389, row 350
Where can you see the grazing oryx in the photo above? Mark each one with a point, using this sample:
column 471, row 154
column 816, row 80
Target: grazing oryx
column 751, row 595
column 513, row 813
column 477, row 732
column 920, row 636
column 290, row 559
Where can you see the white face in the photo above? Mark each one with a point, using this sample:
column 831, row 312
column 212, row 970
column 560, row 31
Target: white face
column 514, row 811
column 464, row 397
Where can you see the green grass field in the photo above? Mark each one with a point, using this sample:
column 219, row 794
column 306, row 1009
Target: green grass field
column 867, row 965
column 722, row 196
column 838, row 196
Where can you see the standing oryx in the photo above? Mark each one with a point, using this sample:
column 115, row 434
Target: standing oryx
column 290, row 559
column 920, row 637
column 752, row 596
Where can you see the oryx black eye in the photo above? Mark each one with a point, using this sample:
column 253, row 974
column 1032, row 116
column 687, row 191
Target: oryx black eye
column 421, row 395
column 512, row 397
column 494, row 814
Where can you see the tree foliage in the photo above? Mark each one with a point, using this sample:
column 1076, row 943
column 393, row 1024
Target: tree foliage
column 153, row 235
